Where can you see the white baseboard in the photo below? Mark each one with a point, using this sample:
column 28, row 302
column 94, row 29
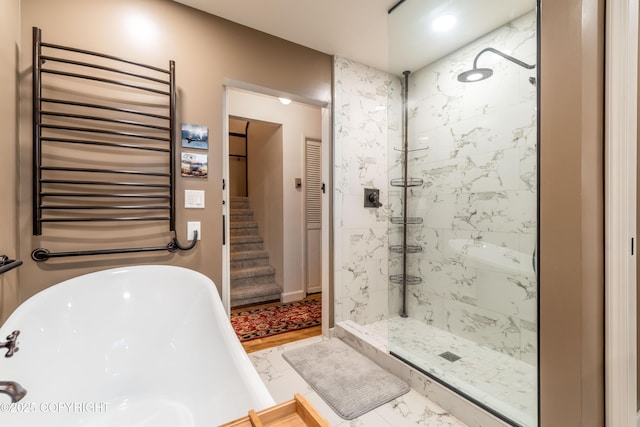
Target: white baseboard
column 314, row 290
column 292, row 296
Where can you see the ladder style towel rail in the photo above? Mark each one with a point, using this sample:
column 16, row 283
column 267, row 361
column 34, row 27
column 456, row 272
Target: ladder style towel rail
column 104, row 107
column 87, row 102
column 7, row 264
column 106, row 144
column 42, row 254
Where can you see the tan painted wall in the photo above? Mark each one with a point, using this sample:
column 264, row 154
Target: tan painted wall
column 265, row 189
column 571, row 214
column 9, row 50
column 207, row 50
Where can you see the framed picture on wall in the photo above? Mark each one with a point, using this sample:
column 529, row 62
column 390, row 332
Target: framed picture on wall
column 194, row 165
column 195, row 136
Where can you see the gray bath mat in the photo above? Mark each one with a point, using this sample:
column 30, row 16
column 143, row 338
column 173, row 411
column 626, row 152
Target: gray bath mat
column 348, row 381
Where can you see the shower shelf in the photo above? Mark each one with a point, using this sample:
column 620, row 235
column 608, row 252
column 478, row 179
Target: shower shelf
column 409, row 182
column 408, row 249
column 401, row 279
column 408, row 220
column 412, row 150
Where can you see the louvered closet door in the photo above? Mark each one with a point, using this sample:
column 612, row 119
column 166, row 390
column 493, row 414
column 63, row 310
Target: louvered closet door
column 313, row 211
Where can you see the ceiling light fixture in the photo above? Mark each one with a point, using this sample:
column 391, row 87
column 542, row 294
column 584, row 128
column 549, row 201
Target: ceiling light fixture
column 285, row 101
column 444, row 23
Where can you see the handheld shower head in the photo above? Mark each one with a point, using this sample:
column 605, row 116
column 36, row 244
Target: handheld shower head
column 477, row 74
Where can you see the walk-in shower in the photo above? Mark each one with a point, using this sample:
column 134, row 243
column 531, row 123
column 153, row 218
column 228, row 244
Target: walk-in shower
column 463, row 201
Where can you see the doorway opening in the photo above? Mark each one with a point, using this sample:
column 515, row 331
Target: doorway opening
column 275, row 168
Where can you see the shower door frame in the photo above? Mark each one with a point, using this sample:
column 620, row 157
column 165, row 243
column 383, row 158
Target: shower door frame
column 494, row 414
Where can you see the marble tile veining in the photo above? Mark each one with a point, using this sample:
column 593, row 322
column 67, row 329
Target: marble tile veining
column 476, row 151
column 505, row 383
column 366, row 104
column 477, row 157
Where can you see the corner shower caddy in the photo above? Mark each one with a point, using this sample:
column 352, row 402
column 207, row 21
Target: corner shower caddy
column 118, row 115
column 405, row 183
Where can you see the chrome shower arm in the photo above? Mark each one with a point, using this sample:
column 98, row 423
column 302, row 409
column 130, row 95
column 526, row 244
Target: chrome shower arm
column 504, row 55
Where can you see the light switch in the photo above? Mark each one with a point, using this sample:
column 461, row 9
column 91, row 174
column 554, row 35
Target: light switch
column 194, row 199
column 191, row 227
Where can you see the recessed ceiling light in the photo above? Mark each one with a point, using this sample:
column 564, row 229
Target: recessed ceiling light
column 444, row 23
column 285, row 101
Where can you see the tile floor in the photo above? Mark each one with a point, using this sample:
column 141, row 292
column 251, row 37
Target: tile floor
column 410, row 410
column 504, row 383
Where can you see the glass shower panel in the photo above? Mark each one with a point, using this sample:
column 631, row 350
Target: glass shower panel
column 463, row 198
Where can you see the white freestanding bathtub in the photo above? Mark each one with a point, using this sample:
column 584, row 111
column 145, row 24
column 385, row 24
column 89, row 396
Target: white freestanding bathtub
column 136, row 346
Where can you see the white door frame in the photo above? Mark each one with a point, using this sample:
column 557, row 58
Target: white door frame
column 326, row 165
column 621, row 41
column 226, row 248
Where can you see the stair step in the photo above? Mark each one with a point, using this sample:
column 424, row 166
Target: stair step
column 239, row 199
column 244, row 247
column 243, row 217
column 244, row 273
column 246, row 243
column 262, row 275
column 249, row 259
column 239, row 204
column 244, row 224
column 255, row 294
column 246, row 239
column 252, row 278
column 248, row 228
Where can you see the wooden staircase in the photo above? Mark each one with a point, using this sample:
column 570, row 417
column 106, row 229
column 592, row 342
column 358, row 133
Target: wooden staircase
column 253, row 280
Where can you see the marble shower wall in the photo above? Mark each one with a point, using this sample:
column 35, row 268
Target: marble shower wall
column 361, row 132
column 477, row 156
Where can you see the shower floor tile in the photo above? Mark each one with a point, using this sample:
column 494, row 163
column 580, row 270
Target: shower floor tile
column 501, row 382
column 410, row 410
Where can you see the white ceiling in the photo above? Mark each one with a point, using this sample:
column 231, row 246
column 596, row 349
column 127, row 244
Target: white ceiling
column 358, row 29
column 354, row 29
column 414, row 43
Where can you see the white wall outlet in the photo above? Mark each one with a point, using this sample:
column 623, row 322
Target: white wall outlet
column 191, row 227
column 194, row 199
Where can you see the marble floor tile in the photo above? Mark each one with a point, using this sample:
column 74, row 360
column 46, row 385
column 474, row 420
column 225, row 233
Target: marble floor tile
column 503, row 383
column 282, row 381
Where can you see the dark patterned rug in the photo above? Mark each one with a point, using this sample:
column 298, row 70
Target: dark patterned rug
column 272, row 319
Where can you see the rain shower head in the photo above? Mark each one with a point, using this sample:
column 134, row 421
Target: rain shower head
column 477, row 74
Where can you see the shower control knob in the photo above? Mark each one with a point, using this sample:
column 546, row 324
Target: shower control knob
column 372, row 198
